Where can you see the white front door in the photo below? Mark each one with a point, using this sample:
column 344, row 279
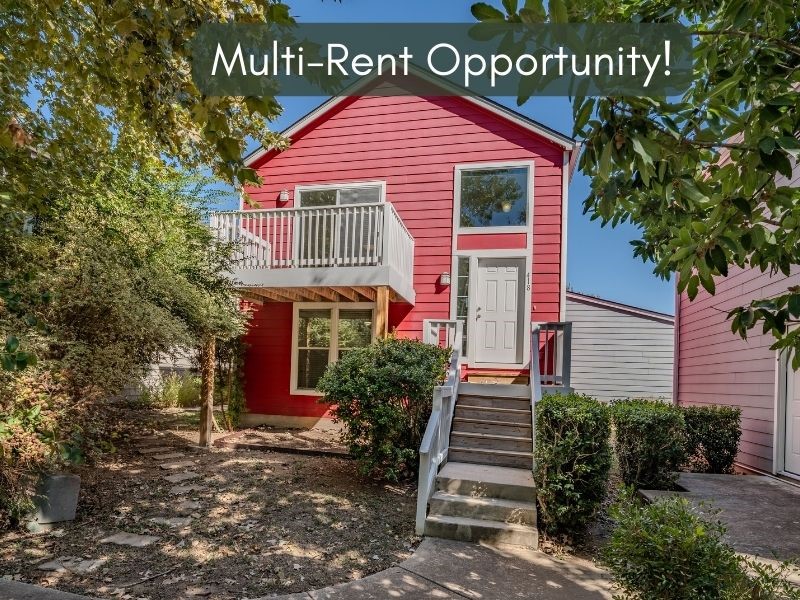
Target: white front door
column 498, row 310
column 791, row 459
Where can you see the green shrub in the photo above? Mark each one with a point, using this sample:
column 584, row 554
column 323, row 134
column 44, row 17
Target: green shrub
column 665, row 551
column 229, row 387
column 188, row 392
column 382, row 394
column 172, row 391
column 712, row 437
column 573, row 457
column 650, row 442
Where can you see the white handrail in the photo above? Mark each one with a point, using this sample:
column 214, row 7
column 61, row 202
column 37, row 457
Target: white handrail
column 536, row 383
column 436, row 440
column 551, row 343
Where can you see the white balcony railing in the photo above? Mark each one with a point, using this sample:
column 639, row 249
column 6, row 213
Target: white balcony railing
column 355, row 235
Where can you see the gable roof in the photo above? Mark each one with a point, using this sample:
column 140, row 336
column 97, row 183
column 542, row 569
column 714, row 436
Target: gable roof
column 557, row 138
column 619, row 307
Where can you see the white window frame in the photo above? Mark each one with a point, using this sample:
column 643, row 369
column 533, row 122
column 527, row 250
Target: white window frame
column 485, row 166
column 311, row 187
column 333, row 352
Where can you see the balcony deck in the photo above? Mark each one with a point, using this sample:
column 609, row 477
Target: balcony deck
column 331, row 253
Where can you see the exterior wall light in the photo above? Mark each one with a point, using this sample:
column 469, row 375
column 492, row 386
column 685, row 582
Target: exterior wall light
column 444, row 279
column 283, row 197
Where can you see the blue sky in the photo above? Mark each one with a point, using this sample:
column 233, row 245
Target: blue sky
column 599, row 260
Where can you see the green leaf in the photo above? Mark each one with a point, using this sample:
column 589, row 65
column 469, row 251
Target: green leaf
column 720, row 260
column 12, row 343
column 794, row 305
column 767, row 145
column 605, row 161
column 485, row 12
column 558, row 11
column 532, row 15
column 639, row 148
column 691, row 191
column 790, row 144
column 583, row 115
column 728, row 84
column 510, row 6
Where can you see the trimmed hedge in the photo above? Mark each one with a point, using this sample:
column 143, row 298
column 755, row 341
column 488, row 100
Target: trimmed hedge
column 650, row 443
column 712, row 437
column 667, row 551
column 383, row 395
column 573, row 458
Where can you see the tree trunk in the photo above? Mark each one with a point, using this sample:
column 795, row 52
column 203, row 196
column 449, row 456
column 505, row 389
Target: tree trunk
column 207, row 363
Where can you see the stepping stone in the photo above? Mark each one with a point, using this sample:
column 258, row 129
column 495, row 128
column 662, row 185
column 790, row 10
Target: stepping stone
column 181, row 464
column 81, row 566
column 179, row 477
column 172, row 521
column 168, row 456
column 149, row 441
column 185, row 489
column 154, row 449
column 130, row 539
column 188, row 506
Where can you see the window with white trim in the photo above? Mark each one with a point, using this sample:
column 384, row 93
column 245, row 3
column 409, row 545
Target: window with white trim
column 493, row 197
column 323, row 333
column 349, row 230
column 336, row 194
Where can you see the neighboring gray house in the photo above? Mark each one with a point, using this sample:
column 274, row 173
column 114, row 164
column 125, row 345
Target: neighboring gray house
column 619, row 351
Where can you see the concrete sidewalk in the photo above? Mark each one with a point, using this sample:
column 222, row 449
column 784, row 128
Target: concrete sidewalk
column 442, row 570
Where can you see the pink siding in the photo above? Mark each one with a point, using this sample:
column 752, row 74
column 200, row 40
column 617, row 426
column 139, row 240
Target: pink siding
column 715, row 366
column 413, row 143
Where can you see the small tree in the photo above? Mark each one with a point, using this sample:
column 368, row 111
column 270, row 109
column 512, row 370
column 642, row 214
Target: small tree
column 383, row 394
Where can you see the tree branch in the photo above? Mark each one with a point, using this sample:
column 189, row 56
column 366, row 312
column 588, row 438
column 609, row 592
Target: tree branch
column 738, row 32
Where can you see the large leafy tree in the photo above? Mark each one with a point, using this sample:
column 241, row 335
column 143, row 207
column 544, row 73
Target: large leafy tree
column 704, row 175
column 130, row 270
column 91, row 85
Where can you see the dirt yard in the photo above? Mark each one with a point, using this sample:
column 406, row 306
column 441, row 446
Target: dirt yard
column 241, row 524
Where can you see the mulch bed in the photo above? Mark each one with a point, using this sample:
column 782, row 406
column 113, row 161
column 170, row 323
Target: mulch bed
column 259, row 523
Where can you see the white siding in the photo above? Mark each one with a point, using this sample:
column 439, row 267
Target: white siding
column 619, row 354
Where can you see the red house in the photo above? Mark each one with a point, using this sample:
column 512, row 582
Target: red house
column 387, row 211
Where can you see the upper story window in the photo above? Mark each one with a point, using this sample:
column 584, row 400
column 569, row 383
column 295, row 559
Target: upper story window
column 347, row 193
column 494, row 197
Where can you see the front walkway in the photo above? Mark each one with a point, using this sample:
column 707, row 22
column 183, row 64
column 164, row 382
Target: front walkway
column 443, row 570
column 762, row 514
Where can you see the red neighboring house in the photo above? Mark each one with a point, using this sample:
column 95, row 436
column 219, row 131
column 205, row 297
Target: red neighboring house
column 387, row 211
column 715, row 366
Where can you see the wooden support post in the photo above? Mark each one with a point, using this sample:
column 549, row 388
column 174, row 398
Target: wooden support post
column 382, row 311
column 207, row 363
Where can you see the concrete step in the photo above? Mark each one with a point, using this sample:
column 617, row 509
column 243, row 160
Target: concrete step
column 495, row 390
column 491, row 509
column 491, row 442
column 479, row 530
column 483, row 413
column 491, row 402
column 461, row 425
column 485, row 456
column 486, row 481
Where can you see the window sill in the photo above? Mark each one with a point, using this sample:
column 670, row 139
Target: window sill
column 492, row 230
